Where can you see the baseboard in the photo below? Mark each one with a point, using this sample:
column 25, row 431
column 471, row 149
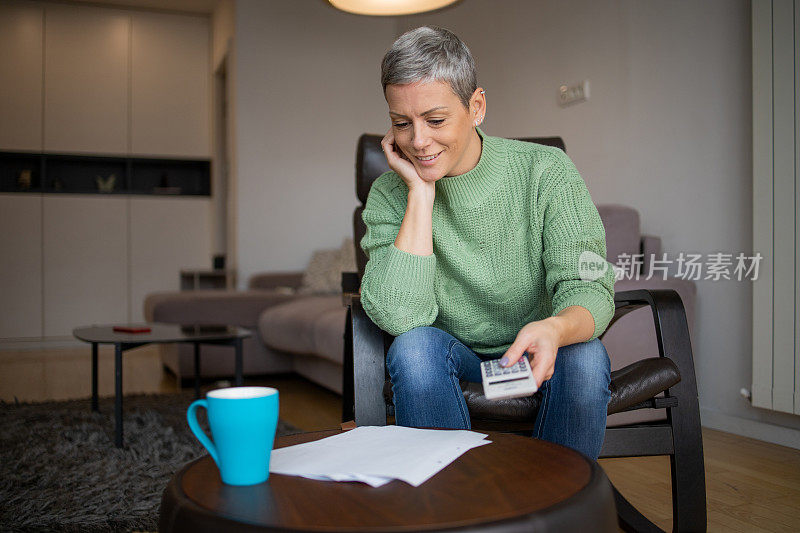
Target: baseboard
column 754, row 429
column 42, row 343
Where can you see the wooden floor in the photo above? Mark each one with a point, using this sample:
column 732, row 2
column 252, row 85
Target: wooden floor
column 752, row 486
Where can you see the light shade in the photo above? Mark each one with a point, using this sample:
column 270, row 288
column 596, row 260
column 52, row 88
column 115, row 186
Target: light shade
column 389, row 7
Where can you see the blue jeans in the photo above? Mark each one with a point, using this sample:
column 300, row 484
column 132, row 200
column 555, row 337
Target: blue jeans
column 425, row 365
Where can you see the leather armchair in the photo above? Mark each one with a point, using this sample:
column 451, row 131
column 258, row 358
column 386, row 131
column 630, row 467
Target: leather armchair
column 667, row 381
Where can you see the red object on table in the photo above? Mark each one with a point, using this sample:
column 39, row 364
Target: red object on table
column 132, row 329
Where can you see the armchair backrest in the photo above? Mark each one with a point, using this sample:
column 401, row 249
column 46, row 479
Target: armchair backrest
column 371, row 163
column 623, row 235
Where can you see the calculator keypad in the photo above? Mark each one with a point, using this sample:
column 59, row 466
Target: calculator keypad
column 507, row 382
column 493, row 368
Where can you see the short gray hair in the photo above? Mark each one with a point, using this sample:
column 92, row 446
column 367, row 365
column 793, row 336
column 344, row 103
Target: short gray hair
column 431, row 53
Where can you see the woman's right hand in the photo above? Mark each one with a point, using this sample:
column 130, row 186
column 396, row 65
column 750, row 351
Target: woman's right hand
column 399, row 163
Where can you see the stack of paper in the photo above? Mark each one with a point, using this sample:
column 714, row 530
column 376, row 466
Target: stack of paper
column 376, row 454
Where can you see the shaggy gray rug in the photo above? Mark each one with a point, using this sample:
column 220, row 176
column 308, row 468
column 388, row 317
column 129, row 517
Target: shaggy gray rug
column 60, row 471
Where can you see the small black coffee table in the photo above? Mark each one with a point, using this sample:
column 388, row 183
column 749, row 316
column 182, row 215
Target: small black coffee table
column 159, row 333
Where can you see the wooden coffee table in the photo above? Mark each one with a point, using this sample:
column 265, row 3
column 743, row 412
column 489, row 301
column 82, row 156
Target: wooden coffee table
column 159, row 333
column 513, row 484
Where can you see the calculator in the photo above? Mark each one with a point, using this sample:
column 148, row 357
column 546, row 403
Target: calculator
column 507, row 382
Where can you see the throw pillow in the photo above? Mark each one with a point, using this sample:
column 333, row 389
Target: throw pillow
column 347, row 258
column 319, row 276
column 323, row 275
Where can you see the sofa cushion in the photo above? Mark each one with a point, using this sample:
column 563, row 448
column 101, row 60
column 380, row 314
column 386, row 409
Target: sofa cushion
column 622, row 230
column 306, row 325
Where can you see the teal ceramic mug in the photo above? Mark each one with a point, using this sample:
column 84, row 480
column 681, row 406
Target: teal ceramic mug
column 243, row 421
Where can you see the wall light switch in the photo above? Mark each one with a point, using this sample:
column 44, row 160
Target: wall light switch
column 571, row 94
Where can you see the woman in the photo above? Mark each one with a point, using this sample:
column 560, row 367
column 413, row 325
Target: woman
column 473, row 244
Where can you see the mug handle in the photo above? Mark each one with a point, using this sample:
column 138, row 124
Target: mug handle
column 191, row 417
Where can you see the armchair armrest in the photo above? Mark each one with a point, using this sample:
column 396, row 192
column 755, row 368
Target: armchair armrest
column 367, row 349
column 686, row 289
column 672, row 330
column 672, row 335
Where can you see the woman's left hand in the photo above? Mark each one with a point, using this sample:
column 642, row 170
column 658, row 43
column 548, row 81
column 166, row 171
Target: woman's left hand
column 541, row 340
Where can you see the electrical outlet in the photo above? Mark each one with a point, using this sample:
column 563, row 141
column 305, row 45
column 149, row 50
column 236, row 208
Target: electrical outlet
column 571, row 94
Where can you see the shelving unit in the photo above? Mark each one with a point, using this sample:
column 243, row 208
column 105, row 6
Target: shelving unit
column 25, row 172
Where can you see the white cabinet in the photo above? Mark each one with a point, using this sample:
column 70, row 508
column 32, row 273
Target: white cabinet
column 73, row 260
column 86, row 79
column 105, row 81
column 90, row 79
column 85, row 258
column 21, row 75
column 167, row 235
column 20, row 265
column 170, row 92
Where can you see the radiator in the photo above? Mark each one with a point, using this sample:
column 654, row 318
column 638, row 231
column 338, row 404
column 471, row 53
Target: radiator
column 776, row 156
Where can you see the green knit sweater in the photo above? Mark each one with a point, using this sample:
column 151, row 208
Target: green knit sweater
column 507, row 236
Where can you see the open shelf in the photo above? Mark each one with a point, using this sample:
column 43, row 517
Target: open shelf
column 20, row 172
column 85, row 174
column 170, row 176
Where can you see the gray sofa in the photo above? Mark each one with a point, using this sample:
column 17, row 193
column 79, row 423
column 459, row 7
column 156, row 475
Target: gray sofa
column 303, row 333
column 291, row 332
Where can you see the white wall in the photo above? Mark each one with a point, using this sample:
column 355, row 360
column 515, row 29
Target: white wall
column 308, row 84
column 667, row 130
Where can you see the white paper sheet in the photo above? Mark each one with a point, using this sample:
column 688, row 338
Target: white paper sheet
column 376, row 454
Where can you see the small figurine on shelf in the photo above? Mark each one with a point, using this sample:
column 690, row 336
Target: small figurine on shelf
column 24, row 180
column 164, row 187
column 58, row 184
column 106, row 185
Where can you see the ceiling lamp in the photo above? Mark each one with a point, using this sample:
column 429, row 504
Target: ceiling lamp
column 389, row 7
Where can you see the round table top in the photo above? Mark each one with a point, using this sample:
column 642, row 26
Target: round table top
column 160, row 332
column 508, row 485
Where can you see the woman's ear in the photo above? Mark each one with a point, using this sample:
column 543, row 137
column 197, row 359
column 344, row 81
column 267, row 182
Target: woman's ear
column 478, row 106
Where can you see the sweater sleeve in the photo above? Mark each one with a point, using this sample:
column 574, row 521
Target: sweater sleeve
column 574, row 247
column 397, row 290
